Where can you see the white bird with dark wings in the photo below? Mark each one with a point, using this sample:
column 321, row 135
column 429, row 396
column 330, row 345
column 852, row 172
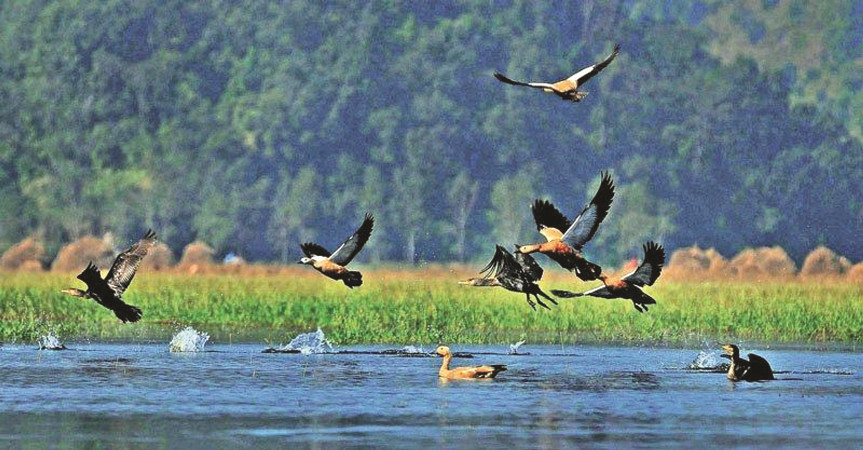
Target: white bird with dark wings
column 333, row 264
column 566, row 89
column 108, row 292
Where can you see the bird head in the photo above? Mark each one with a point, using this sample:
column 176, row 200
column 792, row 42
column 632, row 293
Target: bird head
column 602, row 277
column 731, row 351
column 73, row 292
column 305, row 260
column 442, row 350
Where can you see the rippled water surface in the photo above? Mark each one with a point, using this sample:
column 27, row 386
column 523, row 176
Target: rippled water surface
column 143, row 396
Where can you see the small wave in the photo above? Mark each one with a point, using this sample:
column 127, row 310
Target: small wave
column 189, row 340
column 823, row 371
column 50, row 341
column 513, row 348
column 306, row 343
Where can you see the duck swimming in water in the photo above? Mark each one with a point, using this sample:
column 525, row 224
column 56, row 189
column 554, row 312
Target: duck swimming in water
column 108, row 291
column 756, row 369
column 567, row 89
column 565, row 239
column 516, row 273
column 629, row 286
column 465, row 373
column 333, row 264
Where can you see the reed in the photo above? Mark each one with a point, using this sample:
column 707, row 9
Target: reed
column 413, row 307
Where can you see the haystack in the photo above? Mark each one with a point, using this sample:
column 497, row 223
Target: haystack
column 75, row 256
column 25, row 255
column 762, row 262
column 824, row 262
column 158, row 258
column 196, row 256
column 691, row 262
column 855, row 273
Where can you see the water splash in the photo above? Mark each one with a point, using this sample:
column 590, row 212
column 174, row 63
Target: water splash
column 410, row 350
column 189, row 340
column 50, row 341
column 708, row 360
column 513, row 348
column 307, row 344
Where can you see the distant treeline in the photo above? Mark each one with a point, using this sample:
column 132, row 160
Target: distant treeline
column 254, row 126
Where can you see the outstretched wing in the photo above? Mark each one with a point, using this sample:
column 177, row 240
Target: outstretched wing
column 346, row 252
column 547, row 216
column 311, row 249
column 501, row 77
column 585, row 225
column 650, row 268
column 90, row 276
column 126, row 264
column 529, row 266
column 759, row 367
column 581, row 77
column 502, row 263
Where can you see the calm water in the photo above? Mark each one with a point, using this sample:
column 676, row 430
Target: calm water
column 142, row 396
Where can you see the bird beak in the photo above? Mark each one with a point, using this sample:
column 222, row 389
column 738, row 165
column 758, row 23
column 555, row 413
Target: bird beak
column 725, row 356
column 300, row 262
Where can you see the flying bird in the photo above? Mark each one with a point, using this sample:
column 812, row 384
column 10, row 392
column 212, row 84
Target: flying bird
column 333, row 264
column 108, row 292
column 756, row 369
column 464, row 373
column 516, row 273
column 629, row 286
column 567, row 89
column 565, row 239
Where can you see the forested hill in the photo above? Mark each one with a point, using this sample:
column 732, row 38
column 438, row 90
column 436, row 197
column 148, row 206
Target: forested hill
column 254, row 126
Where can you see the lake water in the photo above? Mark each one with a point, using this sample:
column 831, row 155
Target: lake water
column 134, row 395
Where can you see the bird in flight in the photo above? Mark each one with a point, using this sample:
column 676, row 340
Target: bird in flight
column 565, row 239
column 333, row 264
column 629, row 285
column 516, row 273
column 108, row 292
column 567, row 89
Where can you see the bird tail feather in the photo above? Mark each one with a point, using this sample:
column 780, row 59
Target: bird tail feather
column 353, row 279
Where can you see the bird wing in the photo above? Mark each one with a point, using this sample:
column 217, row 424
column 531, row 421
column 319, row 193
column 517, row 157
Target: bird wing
column 547, row 216
column 346, row 252
column 585, row 225
column 311, row 249
column 90, row 275
column 502, row 263
column 581, row 77
column 501, row 77
column 759, row 366
column 123, row 270
column 650, row 268
column 529, row 266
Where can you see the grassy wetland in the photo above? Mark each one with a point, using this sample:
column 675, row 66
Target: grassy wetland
column 428, row 306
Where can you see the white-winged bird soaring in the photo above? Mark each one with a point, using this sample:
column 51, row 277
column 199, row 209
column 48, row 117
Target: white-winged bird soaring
column 108, row 292
column 629, row 285
column 333, row 264
column 565, row 239
column 516, row 273
column 567, row 89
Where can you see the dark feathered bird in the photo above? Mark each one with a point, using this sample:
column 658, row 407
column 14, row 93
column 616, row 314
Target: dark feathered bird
column 333, row 264
column 756, row 369
column 516, row 273
column 629, row 286
column 565, row 239
column 108, row 292
column 567, row 89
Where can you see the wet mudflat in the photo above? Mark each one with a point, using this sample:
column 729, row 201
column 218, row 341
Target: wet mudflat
column 135, row 395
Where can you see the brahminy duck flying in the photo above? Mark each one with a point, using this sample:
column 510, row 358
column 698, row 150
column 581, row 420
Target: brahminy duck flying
column 756, row 369
column 629, row 286
column 567, row 89
column 108, row 292
column 333, row 264
column 465, row 373
column 516, row 273
column 565, row 239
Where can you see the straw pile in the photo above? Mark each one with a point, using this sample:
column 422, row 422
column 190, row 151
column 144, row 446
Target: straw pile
column 823, row 262
column 197, row 256
column 764, row 262
column 75, row 256
column 26, row 255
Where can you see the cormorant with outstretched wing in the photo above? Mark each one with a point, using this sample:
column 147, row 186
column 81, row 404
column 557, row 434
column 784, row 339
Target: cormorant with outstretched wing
column 108, row 292
column 516, row 273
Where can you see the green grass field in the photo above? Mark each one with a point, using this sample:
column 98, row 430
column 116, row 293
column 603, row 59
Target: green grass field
column 412, row 308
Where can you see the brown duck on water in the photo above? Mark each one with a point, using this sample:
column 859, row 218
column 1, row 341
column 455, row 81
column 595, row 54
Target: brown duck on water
column 516, row 273
column 756, row 369
column 567, row 89
column 565, row 239
column 629, row 285
column 108, row 291
column 465, row 373
column 333, row 264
